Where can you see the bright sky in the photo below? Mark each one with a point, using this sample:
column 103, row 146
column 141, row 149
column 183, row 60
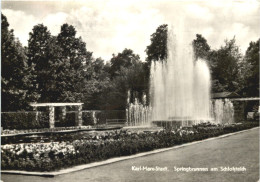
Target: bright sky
column 109, row 26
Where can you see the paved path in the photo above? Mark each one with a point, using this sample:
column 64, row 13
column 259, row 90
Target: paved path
column 240, row 150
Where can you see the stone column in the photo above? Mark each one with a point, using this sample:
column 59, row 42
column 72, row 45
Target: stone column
column 94, row 117
column 51, row 116
column 126, row 111
column 36, row 115
column 79, row 115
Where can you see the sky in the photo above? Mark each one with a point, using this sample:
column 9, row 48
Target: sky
column 110, row 26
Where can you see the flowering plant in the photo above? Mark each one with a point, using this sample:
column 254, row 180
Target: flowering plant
column 40, row 130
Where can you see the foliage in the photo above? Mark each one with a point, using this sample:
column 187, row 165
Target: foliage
column 157, row 50
column 15, row 74
column 132, row 79
column 224, row 66
column 230, row 70
column 44, row 57
column 130, row 75
column 249, row 71
column 75, row 58
column 61, row 69
column 58, row 63
column 24, row 120
column 96, row 84
column 200, row 47
column 122, row 60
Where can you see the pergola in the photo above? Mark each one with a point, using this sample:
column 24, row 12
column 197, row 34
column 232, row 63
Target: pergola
column 246, row 99
column 52, row 106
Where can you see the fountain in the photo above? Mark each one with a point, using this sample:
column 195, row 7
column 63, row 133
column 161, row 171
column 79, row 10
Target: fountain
column 180, row 86
column 223, row 111
column 138, row 113
column 179, row 92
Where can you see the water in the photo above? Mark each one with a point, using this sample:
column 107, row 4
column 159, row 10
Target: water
column 138, row 113
column 223, row 111
column 180, row 86
column 179, row 91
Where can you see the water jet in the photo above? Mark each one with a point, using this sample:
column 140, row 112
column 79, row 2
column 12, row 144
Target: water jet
column 180, row 86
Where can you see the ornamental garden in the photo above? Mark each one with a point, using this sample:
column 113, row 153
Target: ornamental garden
column 62, row 107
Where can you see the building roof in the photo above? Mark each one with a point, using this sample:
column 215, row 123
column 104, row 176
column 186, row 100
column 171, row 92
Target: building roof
column 223, row 95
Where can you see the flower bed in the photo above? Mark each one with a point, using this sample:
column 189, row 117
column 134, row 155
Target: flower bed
column 56, row 155
column 49, row 135
column 42, row 130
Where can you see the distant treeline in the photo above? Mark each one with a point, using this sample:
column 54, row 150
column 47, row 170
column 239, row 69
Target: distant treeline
column 61, row 69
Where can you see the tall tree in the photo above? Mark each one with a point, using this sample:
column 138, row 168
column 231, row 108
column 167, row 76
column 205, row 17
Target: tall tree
column 157, row 50
column 53, row 73
column 39, row 59
column 76, row 58
column 15, row 72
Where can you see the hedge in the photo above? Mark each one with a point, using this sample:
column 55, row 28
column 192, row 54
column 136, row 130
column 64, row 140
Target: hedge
column 27, row 120
column 24, row 120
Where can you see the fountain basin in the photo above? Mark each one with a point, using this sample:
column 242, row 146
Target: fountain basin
column 148, row 128
column 175, row 123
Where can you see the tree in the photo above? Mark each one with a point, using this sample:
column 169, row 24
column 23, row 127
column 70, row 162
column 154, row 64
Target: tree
column 157, row 50
column 76, row 59
column 15, row 73
column 200, row 47
column 249, row 70
column 53, row 73
column 122, row 60
column 96, row 85
column 59, row 64
column 225, row 66
column 129, row 78
column 127, row 73
column 39, row 59
column 134, row 79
